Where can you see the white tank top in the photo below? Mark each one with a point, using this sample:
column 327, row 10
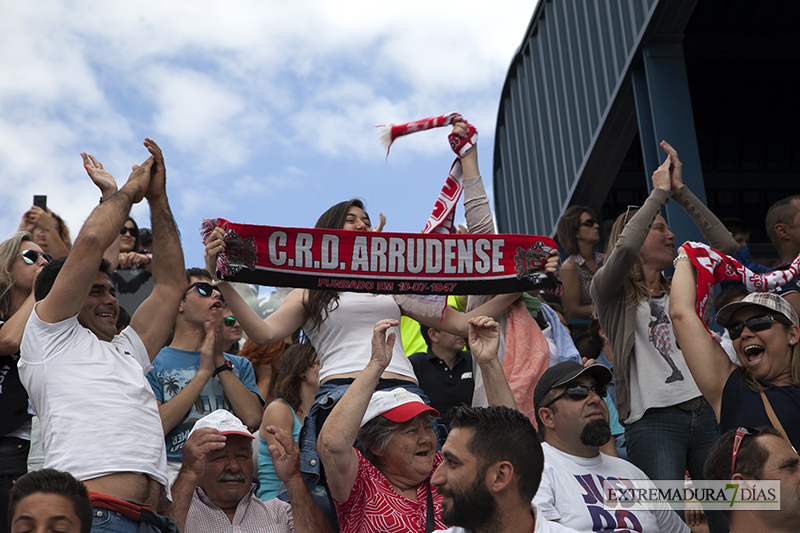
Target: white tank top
column 344, row 339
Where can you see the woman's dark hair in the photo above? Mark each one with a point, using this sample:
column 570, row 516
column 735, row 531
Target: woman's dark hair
column 590, row 344
column 136, row 244
column 294, row 362
column 51, row 481
column 568, row 225
column 320, row 303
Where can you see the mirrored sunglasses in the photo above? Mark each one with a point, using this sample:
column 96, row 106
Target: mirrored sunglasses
column 579, row 392
column 229, row 321
column 205, row 289
column 32, row 256
column 754, row 324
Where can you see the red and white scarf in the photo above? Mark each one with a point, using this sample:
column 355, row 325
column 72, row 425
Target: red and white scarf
column 444, row 210
column 713, row 266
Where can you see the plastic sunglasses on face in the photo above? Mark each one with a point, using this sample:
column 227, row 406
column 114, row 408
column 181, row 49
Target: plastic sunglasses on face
column 754, row 323
column 737, row 442
column 130, row 231
column 579, row 392
column 32, row 256
column 229, row 321
column 589, row 223
column 205, row 289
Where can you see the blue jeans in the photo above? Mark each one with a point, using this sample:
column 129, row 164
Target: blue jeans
column 667, row 442
column 112, row 522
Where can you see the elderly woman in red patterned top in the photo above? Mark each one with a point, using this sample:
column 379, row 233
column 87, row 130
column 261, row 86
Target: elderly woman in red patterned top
column 386, row 487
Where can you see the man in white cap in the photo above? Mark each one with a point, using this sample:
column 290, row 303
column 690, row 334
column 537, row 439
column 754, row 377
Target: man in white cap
column 215, row 491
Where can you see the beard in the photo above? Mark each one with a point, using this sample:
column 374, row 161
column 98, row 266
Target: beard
column 472, row 508
column 595, row 433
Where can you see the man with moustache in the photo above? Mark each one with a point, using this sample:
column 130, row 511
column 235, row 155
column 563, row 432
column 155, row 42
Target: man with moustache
column 215, row 491
column 491, row 467
column 573, row 423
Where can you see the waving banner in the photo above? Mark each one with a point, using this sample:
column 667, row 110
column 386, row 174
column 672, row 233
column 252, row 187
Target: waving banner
column 391, row 263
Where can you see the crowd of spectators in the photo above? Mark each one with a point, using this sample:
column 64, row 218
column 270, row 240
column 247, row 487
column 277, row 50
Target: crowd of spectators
column 154, row 419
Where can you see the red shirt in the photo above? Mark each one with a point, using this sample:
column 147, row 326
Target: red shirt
column 374, row 506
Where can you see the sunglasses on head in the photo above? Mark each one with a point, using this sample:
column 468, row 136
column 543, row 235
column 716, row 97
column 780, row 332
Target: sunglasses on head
column 737, row 442
column 589, row 223
column 754, row 323
column 229, row 321
column 627, row 212
column 130, row 231
column 579, row 392
column 205, row 289
column 32, row 256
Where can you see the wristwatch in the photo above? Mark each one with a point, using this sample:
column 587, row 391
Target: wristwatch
column 222, row 368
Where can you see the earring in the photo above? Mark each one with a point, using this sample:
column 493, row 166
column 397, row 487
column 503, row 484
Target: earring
column 303, row 377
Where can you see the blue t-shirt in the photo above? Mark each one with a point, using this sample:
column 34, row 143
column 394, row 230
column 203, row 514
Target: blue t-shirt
column 172, row 370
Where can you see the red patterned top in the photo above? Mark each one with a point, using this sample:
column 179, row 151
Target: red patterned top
column 374, row 506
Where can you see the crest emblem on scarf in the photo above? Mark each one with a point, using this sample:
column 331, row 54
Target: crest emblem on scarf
column 530, row 263
column 241, row 252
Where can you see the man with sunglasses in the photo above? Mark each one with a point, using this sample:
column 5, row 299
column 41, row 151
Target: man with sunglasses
column 758, row 453
column 98, row 415
column 193, row 376
column 573, row 423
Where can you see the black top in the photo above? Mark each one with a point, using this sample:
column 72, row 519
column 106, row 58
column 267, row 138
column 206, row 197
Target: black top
column 445, row 387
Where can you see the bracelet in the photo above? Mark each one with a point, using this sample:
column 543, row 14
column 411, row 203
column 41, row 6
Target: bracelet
column 679, row 258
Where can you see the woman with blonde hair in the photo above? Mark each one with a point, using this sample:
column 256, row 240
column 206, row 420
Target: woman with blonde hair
column 21, row 260
column 669, row 427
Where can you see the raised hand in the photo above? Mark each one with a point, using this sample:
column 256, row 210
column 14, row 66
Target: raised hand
column 100, row 176
column 211, row 351
column 287, row 464
column 40, row 218
column 139, row 180
column 661, row 177
column 383, row 343
column 215, row 245
column 198, row 447
column 158, row 178
column 484, row 338
column 131, row 259
column 551, row 265
column 381, row 223
column 675, row 166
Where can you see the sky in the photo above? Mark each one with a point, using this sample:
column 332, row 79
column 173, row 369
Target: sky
column 265, row 110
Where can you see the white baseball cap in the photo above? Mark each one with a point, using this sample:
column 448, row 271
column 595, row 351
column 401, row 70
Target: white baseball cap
column 398, row 405
column 224, row 422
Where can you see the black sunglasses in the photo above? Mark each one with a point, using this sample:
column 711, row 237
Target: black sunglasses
column 754, row 323
column 32, row 256
column 589, row 223
column 130, row 231
column 229, row 321
column 205, row 289
column 579, row 392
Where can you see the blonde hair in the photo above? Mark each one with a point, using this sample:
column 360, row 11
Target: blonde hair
column 8, row 252
column 634, row 287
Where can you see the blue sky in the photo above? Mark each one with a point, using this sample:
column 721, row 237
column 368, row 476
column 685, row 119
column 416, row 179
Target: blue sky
column 264, row 110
